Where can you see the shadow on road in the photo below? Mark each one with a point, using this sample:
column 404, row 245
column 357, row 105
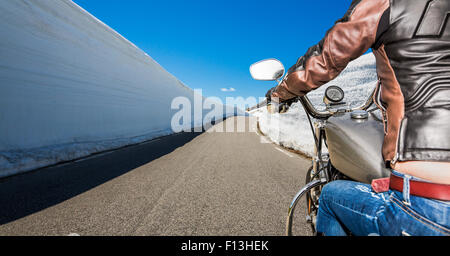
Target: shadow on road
column 28, row 193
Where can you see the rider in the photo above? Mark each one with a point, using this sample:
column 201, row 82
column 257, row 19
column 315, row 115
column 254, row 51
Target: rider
column 411, row 43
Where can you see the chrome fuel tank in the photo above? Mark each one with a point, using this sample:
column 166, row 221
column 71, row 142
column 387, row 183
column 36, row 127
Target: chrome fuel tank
column 355, row 147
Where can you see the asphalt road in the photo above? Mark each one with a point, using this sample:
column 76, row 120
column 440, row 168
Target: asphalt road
column 211, row 183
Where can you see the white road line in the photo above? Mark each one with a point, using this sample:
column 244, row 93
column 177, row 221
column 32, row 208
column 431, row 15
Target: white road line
column 284, row 152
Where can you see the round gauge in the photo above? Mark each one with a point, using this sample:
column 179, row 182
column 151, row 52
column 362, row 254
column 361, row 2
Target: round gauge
column 334, row 94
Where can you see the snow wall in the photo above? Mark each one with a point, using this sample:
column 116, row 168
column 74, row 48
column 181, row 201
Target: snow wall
column 71, row 86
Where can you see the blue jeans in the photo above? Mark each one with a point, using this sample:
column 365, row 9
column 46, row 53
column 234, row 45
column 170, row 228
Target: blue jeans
column 350, row 207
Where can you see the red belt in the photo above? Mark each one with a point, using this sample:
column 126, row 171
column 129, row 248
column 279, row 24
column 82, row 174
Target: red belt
column 422, row 189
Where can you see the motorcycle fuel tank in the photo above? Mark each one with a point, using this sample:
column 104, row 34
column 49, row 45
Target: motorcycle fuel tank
column 355, row 146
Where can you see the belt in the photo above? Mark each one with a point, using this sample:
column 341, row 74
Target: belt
column 422, row 189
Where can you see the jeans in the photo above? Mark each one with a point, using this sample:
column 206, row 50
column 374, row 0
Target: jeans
column 347, row 207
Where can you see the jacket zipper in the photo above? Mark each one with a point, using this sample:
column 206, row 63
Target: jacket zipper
column 397, row 155
column 379, row 105
column 394, row 160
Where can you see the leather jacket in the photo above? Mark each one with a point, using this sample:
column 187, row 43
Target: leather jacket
column 411, row 42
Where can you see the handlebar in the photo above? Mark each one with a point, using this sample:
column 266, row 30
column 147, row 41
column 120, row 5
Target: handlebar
column 314, row 112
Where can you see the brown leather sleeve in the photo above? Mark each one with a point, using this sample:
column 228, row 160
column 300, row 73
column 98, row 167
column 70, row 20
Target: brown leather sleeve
column 350, row 37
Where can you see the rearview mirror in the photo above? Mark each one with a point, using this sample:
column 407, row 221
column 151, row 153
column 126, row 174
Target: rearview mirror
column 267, row 70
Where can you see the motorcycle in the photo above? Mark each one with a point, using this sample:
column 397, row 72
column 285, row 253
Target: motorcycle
column 353, row 137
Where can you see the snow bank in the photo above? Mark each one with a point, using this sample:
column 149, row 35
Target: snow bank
column 71, row 86
column 292, row 130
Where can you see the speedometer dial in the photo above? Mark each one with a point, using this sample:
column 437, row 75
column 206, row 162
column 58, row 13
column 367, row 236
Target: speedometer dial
column 334, row 94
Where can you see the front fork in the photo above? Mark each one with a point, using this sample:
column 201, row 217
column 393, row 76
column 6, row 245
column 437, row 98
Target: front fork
column 319, row 171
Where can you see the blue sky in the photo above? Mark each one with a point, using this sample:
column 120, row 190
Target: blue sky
column 211, row 44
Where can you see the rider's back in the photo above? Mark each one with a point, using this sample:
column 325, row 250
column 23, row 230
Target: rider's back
column 413, row 63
